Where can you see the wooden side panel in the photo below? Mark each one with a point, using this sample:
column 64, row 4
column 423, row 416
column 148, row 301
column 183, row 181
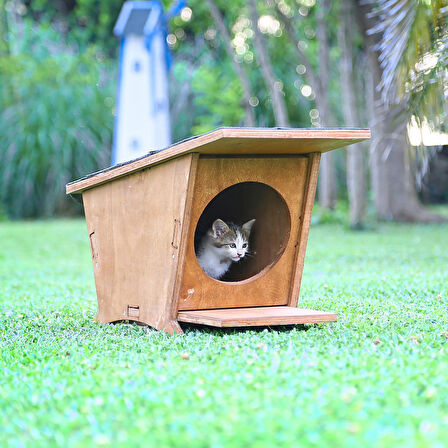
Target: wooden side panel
column 184, row 236
column 287, row 175
column 135, row 225
column 307, row 209
column 260, row 316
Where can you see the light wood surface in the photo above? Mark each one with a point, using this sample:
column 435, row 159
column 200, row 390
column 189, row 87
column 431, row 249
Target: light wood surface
column 259, row 316
column 271, row 286
column 234, row 141
column 183, row 245
column 135, row 226
column 305, row 222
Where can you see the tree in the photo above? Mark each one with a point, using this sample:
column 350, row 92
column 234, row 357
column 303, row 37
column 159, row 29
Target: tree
column 278, row 102
column 327, row 175
column 319, row 83
column 397, row 35
column 61, row 101
column 356, row 171
column 225, row 36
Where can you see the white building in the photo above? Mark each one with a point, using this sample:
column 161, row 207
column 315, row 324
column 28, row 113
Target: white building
column 142, row 122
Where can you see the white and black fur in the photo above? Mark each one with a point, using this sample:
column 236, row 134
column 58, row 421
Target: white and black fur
column 222, row 245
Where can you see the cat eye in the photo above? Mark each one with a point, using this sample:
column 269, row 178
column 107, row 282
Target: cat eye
column 232, row 245
column 244, row 245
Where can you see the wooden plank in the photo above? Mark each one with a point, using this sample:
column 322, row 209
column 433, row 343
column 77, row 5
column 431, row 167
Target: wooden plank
column 307, row 210
column 135, row 224
column 271, row 286
column 259, row 316
column 184, row 236
column 234, row 141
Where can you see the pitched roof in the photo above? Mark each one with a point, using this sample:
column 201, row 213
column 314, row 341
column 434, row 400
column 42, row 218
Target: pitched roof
column 137, row 17
column 233, row 141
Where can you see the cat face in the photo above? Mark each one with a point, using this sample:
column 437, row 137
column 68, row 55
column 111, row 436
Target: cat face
column 230, row 240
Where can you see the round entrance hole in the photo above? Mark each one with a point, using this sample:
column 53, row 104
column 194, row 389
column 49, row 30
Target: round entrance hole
column 269, row 236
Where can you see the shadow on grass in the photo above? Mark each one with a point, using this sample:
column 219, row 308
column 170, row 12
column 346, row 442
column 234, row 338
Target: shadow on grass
column 190, row 328
column 217, row 331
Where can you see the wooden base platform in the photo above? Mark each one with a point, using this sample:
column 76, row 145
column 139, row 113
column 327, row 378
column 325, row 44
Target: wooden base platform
column 254, row 317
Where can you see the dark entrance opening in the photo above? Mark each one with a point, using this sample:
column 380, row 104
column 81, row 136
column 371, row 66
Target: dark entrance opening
column 240, row 203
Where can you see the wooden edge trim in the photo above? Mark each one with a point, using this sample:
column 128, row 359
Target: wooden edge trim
column 281, row 321
column 305, row 221
column 292, row 133
column 253, row 321
column 191, row 145
column 186, row 316
column 186, row 220
column 129, row 167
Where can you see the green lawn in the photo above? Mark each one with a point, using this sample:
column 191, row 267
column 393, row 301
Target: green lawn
column 376, row 378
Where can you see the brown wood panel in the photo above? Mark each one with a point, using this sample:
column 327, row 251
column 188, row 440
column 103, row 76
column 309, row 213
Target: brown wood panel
column 307, row 209
column 234, row 141
column 287, row 175
column 259, row 316
column 184, row 236
column 135, row 226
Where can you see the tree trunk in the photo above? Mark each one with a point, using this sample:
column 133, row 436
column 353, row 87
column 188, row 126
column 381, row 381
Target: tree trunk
column 220, row 24
column 4, row 47
column 402, row 203
column 356, row 176
column 278, row 101
column 319, row 85
column 377, row 163
column 376, row 123
column 327, row 174
column 392, row 180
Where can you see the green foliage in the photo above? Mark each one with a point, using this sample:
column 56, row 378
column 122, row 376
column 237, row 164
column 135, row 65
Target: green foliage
column 195, row 45
column 98, row 20
column 3, row 216
column 218, row 98
column 339, row 215
column 414, row 54
column 376, row 378
column 87, row 21
column 55, row 121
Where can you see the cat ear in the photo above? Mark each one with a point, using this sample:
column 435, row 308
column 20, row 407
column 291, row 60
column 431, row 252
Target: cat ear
column 219, row 228
column 247, row 226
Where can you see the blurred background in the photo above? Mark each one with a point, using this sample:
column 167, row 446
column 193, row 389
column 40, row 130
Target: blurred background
column 381, row 64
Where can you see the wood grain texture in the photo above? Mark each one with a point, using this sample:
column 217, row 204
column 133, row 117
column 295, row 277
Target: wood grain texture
column 258, row 316
column 234, row 141
column 183, row 245
column 307, row 210
column 287, row 175
column 135, row 225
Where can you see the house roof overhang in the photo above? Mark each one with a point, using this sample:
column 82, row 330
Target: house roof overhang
column 232, row 142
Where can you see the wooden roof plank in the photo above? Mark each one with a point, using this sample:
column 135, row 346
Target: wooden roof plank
column 233, row 141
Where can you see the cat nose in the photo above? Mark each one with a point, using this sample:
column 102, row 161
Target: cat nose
column 239, row 255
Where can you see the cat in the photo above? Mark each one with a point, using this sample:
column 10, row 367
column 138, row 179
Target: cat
column 222, row 245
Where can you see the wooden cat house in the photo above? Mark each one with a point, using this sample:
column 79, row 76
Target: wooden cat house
column 145, row 218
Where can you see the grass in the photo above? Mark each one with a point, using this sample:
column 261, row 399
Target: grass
column 376, row 378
